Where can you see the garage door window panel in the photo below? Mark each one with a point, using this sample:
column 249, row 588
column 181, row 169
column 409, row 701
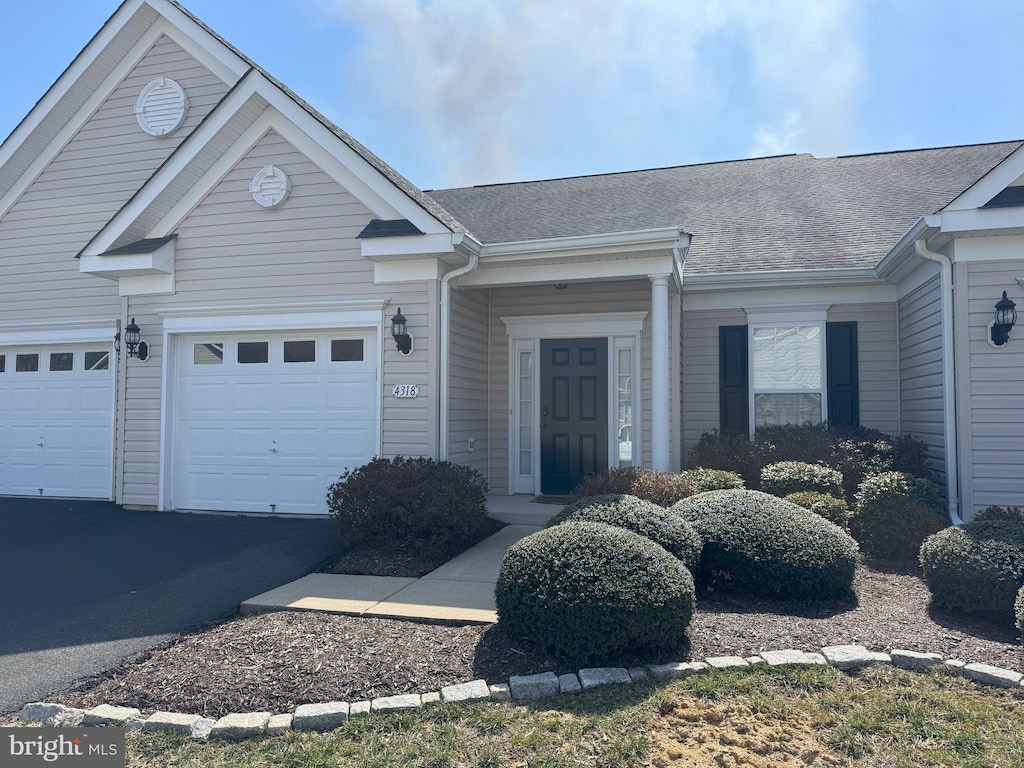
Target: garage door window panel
column 300, row 351
column 97, row 361
column 26, row 363
column 253, row 352
column 208, row 353
column 347, row 350
column 62, row 361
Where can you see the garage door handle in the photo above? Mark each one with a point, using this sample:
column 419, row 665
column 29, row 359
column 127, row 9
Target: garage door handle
column 39, row 445
column 273, row 448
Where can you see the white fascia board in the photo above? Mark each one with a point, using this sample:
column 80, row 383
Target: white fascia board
column 585, row 245
column 778, row 279
column 575, row 325
column 146, row 285
column 408, row 270
column 568, row 272
column 991, row 184
column 982, row 220
column 903, row 251
column 386, row 248
column 160, row 260
column 273, row 317
column 58, row 332
column 228, row 67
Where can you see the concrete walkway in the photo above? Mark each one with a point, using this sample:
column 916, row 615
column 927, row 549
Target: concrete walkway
column 461, row 590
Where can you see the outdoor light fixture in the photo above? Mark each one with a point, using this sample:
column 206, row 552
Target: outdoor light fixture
column 400, row 333
column 132, row 341
column 1003, row 321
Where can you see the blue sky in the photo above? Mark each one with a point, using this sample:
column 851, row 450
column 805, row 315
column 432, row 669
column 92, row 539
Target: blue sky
column 455, row 92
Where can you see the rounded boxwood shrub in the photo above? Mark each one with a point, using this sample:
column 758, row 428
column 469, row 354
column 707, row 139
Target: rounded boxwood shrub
column 409, row 501
column 703, row 479
column 664, row 488
column 639, row 516
column 589, row 590
column 828, row 506
column 759, row 544
column 977, row 567
column 1018, row 611
column 786, row 477
column 995, row 512
column 895, row 513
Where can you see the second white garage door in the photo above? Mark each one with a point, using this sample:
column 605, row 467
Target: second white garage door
column 266, row 422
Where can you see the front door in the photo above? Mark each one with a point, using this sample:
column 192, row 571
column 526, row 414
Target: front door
column 573, row 411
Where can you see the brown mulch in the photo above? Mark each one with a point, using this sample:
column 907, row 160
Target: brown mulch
column 396, row 560
column 279, row 660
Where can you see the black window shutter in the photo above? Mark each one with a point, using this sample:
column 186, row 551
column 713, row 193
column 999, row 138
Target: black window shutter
column 733, row 394
column 841, row 361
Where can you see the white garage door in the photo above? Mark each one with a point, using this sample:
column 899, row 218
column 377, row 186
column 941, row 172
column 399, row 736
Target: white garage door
column 266, row 422
column 57, row 420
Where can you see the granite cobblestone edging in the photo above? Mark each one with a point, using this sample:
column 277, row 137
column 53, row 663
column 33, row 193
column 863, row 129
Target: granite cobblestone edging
column 326, row 716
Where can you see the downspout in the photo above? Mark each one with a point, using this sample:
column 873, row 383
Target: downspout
column 948, row 377
column 466, row 243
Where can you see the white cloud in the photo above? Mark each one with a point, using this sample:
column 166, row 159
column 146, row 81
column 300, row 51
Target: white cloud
column 498, row 90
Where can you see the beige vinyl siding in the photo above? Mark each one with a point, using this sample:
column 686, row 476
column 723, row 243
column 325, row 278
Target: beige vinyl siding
column 921, row 402
column 996, row 394
column 467, row 378
column 877, row 362
column 700, row 369
column 65, row 109
column 86, row 184
column 626, row 296
column 231, row 252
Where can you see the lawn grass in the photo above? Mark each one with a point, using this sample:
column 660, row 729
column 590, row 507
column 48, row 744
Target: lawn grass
column 817, row 715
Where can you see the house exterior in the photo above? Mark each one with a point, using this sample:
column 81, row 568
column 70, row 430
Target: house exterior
column 166, row 182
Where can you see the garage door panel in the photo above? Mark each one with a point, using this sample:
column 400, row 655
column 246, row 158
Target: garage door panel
column 27, row 400
column 61, row 400
column 293, row 427
column 94, row 399
column 60, row 438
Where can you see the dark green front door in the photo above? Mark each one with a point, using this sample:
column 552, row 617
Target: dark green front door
column 573, row 411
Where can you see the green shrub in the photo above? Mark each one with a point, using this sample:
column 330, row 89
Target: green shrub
column 588, row 590
column 995, row 512
column 664, row 488
column 409, row 501
column 976, row 568
column 703, row 479
column 896, row 512
column 639, row 516
column 856, row 452
column 759, row 544
column 1018, row 611
column 786, row 477
column 832, row 509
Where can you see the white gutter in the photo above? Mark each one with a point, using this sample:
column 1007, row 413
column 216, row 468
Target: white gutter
column 473, row 248
column 948, row 377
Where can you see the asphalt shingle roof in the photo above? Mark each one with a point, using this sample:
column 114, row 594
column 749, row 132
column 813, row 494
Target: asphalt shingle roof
column 786, row 212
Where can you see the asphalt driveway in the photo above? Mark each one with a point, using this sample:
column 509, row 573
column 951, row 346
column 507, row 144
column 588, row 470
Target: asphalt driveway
column 84, row 585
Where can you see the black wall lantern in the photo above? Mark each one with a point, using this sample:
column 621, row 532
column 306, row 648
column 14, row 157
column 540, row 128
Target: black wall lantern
column 133, row 342
column 1003, row 321
column 400, row 333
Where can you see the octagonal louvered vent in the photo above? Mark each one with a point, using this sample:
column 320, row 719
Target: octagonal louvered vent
column 269, row 187
column 161, row 107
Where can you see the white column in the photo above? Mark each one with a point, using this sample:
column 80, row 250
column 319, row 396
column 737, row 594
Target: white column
column 660, row 411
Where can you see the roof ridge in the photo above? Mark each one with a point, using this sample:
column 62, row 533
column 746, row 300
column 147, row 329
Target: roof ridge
column 622, row 173
column 927, row 149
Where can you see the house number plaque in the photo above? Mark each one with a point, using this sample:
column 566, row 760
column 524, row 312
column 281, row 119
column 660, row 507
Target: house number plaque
column 405, row 390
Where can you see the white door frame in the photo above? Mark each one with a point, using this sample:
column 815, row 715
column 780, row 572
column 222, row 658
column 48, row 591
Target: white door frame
column 187, row 322
column 621, row 329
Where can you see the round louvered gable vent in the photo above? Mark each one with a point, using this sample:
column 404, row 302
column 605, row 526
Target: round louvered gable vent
column 269, row 186
column 161, row 107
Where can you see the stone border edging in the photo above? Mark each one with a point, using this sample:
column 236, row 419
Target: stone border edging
column 329, row 715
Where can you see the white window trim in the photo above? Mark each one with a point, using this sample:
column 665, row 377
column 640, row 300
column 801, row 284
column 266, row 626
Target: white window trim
column 621, row 329
column 773, row 317
column 348, row 315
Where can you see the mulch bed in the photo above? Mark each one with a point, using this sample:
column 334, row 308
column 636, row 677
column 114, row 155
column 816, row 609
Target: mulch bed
column 279, row 660
column 398, row 560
